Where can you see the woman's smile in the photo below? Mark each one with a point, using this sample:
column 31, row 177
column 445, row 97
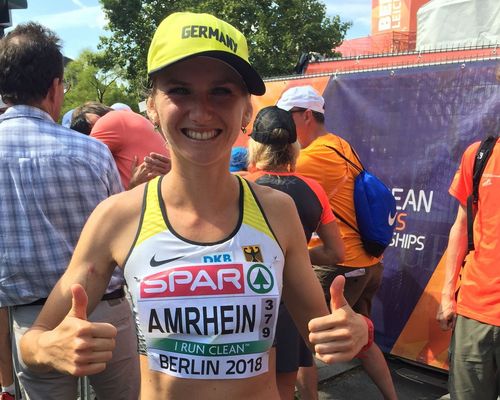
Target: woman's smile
column 200, row 134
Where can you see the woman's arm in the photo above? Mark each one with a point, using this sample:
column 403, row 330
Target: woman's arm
column 61, row 337
column 336, row 336
column 332, row 250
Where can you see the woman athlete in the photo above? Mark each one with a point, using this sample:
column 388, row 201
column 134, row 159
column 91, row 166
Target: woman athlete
column 206, row 255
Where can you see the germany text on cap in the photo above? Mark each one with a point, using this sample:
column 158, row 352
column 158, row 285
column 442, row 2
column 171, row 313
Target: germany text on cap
column 183, row 35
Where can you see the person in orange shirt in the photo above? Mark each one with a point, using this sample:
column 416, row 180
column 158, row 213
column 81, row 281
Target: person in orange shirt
column 272, row 152
column 317, row 160
column 475, row 314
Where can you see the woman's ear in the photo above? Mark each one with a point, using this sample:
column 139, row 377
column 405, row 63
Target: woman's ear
column 247, row 114
column 151, row 111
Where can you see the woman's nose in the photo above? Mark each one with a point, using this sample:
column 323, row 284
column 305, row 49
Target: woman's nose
column 201, row 109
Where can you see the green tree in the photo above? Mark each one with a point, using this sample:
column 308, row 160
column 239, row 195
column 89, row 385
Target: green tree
column 278, row 31
column 86, row 80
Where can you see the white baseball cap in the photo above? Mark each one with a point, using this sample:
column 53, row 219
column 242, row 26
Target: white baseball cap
column 302, row 97
column 121, row 106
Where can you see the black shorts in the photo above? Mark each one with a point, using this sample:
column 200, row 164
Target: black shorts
column 361, row 284
column 291, row 350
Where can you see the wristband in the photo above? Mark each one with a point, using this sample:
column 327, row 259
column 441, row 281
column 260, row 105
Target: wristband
column 369, row 324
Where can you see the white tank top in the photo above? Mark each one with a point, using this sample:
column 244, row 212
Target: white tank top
column 205, row 310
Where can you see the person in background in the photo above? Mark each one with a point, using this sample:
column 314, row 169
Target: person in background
column 66, row 119
column 205, row 253
column 273, row 151
column 132, row 138
column 318, row 161
column 8, row 389
column 3, row 106
column 51, row 179
column 474, row 315
column 85, row 116
column 239, row 161
column 121, row 106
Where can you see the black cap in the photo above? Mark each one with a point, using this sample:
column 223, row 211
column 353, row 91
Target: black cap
column 270, row 118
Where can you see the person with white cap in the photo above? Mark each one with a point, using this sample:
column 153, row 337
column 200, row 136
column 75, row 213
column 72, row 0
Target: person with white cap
column 121, row 106
column 206, row 254
column 272, row 152
column 318, row 160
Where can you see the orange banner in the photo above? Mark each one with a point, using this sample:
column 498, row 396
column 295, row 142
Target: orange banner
column 422, row 339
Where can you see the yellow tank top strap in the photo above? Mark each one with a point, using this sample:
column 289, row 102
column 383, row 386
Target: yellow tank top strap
column 253, row 214
column 152, row 221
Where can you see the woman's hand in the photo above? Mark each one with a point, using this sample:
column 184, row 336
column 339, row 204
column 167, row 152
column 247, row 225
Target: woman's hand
column 154, row 165
column 340, row 335
column 76, row 346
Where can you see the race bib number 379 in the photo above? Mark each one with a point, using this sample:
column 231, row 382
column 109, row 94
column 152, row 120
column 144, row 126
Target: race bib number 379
column 209, row 321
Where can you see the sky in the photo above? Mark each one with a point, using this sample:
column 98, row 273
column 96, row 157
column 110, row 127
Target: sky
column 79, row 23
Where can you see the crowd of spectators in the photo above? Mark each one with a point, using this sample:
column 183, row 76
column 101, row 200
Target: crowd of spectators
column 53, row 176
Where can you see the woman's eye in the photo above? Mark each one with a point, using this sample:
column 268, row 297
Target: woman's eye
column 221, row 91
column 178, row 90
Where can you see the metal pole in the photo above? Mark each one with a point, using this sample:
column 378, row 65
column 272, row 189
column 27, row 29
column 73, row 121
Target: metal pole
column 13, row 343
column 84, row 388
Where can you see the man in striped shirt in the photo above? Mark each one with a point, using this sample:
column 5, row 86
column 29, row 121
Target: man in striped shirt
column 51, row 178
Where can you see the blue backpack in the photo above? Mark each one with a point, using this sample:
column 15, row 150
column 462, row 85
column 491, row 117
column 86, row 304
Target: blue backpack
column 375, row 209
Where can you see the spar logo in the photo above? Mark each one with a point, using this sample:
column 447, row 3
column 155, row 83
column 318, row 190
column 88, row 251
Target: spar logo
column 194, row 281
column 260, row 279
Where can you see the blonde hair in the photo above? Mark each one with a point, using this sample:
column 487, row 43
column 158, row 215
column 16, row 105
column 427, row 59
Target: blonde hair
column 273, row 157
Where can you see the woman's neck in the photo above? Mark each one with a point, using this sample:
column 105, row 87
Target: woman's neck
column 200, row 189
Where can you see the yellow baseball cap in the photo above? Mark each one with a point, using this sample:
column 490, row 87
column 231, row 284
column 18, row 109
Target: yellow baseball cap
column 184, row 34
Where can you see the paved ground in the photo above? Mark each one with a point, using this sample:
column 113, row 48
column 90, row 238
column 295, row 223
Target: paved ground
column 348, row 381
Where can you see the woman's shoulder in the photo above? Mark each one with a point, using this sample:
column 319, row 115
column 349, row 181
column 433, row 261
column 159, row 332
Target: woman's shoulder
column 120, row 206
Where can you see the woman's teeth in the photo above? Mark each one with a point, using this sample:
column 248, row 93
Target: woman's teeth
column 200, row 135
